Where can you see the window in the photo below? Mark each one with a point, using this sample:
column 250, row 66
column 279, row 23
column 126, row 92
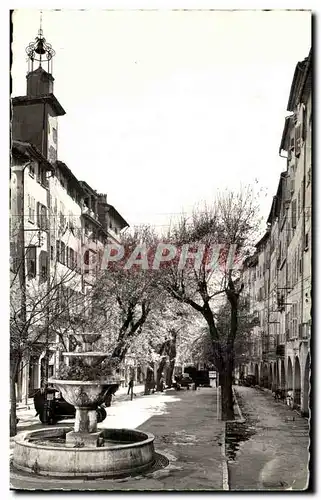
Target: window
column 32, row 170
column 295, row 320
column 31, row 254
column 70, row 258
column 31, row 209
column 41, row 177
column 299, row 203
column 54, row 135
column 51, row 253
column 306, row 242
column 42, row 216
column 298, row 139
column 62, row 253
column 86, row 261
column 58, row 250
column 43, row 267
column 62, row 215
column 71, row 220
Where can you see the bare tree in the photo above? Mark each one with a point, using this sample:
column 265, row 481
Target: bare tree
column 231, row 223
column 36, row 306
column 123, row 297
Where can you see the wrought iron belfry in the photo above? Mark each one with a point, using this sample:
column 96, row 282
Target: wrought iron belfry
column 40, row 51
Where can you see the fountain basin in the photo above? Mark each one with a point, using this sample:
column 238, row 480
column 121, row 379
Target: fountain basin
column 44, row 452
column 87, row 338
column 89, row 358
column 84, row 394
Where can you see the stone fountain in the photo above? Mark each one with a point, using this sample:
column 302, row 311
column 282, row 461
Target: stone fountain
column 84, row 451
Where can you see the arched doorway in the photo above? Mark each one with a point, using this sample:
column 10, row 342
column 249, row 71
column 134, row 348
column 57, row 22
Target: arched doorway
column 256, row 373
column 282, row 375
column 297, row 383
column 306, row 388
column 265, row 376
column 289, row 377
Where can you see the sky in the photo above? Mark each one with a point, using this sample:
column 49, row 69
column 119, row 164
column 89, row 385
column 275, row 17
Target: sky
column 164, row 108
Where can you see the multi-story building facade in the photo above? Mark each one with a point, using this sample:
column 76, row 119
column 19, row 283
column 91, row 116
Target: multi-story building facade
column 58, row 224
column 282, row 262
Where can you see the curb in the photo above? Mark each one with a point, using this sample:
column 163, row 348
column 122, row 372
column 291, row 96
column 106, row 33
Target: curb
column 241, row 418
column 225, row 483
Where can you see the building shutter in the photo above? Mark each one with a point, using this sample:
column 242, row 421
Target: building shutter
column 58, row 250
column 38, row 214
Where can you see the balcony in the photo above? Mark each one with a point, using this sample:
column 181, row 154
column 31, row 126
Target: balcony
column 90, row 213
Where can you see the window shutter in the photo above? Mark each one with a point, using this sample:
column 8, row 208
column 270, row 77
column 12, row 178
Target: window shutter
column 62, row 253
column 38, row 214
column 29, row 207
column 298, row 139
column 33, row 203
column 58, row 250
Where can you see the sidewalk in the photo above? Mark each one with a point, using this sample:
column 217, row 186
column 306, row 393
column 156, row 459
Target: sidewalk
column 186, row 432
column 271, row 448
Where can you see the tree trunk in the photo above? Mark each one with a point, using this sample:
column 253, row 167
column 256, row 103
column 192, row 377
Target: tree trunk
column 170, row 371
column 13, row 399
column 226, row 382
column 149, row 382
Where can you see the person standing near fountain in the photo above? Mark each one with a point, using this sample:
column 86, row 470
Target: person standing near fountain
column 131, row 389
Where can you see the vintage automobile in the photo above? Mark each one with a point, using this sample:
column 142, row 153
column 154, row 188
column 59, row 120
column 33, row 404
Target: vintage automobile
column 52, row 407
column 249, row 381
column 183, row 381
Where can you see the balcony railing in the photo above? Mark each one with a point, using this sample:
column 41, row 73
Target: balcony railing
column 87, row 211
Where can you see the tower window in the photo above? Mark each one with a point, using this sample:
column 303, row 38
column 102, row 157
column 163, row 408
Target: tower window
column 32, row 170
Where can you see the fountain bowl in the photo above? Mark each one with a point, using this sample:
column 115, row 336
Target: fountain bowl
column 43, row 452
column 87, row 338
column 90, row 358
column 84, row 394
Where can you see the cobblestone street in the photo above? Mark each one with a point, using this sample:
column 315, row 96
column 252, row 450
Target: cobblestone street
column 274, row 454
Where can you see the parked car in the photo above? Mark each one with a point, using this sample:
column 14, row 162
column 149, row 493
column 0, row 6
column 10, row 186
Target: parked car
column 249, row 380
column 182, row 381
column 52, row 407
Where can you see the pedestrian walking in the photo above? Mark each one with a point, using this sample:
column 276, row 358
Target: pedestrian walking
column 131, row 389
column 162, row 383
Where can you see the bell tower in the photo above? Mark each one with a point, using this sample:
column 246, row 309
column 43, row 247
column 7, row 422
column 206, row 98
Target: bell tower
column 35, row 115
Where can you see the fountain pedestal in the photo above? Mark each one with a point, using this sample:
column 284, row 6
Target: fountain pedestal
column 83, row 439
column 85, row 429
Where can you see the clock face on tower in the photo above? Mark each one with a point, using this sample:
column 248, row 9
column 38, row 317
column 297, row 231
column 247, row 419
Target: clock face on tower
column 52, row 139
